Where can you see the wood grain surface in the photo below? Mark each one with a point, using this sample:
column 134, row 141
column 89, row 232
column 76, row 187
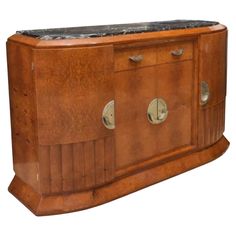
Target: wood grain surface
column 63, row 203
column 65, row 159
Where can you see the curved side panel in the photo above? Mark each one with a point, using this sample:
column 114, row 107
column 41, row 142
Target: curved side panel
column 212, row 70
column 23, row 113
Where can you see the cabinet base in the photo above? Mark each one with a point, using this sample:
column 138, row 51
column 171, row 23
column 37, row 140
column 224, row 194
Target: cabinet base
column 56, row 204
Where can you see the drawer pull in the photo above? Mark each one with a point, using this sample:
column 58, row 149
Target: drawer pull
column 204, row 93
column 157, row 111
column 136, row 58
column 108, row 115
column 178, row 52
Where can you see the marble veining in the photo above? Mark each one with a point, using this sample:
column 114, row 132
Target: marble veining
column 112, row 30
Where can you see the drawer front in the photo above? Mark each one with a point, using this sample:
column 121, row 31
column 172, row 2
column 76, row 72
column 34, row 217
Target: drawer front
column 126, row 59
column 174, row 52
column 132, row 58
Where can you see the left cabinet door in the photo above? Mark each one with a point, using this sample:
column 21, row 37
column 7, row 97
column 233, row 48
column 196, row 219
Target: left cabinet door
column 73, row 86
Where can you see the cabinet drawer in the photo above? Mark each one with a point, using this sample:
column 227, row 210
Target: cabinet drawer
column 174, row 52
column 126, row 59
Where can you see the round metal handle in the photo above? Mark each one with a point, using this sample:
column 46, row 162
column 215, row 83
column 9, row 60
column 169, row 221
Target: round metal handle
column 108, row 115
column 204, row 93
column 157, row 111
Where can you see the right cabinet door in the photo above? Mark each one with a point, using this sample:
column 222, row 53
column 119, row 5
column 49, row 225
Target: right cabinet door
column 212, row 71
column 137, row 139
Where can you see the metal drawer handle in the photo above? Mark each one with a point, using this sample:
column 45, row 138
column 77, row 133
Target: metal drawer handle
column 136, row 58
column 108, row 115
column 204, row 93
column 178, row 52
column 157, row 111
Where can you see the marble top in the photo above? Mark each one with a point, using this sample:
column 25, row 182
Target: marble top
column 111, row 30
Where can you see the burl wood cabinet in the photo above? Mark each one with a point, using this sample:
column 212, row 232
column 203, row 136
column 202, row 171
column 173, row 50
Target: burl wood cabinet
column 100, row 112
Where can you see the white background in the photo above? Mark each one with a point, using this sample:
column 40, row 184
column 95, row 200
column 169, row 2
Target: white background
column 199, row 202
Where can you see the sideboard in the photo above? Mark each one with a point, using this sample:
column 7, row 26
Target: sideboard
column 99, row 112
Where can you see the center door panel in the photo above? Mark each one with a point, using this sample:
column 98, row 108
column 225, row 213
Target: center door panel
column 136, row 138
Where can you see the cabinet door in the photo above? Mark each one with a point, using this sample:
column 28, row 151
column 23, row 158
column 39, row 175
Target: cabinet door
column 72, row 88
column 136, row 138
column 76, row 150
column 212, row 70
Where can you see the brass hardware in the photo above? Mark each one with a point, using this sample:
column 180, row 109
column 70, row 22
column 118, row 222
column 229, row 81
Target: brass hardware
column 204, row 92
column 108, row 115
column 136, row 58
column 178, row 52
column 157, row 111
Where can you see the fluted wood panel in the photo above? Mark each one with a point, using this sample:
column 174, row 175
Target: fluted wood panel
column 44, row 168
column 79, row 172
column 211, row 124
column 55, row 168
column 76, row 166
column 67, row 167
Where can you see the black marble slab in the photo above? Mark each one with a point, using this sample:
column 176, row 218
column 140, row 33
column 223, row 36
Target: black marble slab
column 110, row 30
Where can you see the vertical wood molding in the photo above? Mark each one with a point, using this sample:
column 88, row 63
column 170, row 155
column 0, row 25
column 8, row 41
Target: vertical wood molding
column 211, row 124
column 77, row 166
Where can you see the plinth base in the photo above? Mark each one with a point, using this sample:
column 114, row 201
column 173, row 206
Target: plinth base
column 56, row 204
